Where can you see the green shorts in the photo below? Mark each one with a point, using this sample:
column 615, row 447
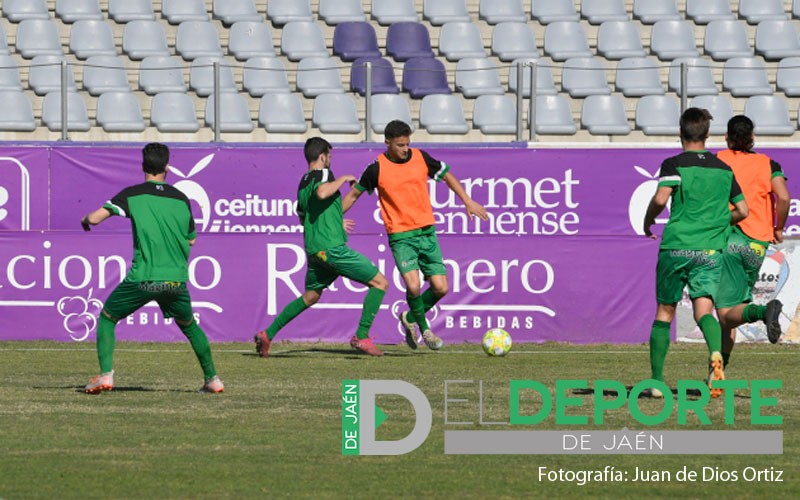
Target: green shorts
column 419, row 251
column 172, row 297
column 325, row 266
column 741, row 264
column 698, row 269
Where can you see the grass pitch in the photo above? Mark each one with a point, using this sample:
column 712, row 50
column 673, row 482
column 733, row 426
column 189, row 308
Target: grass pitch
column 275, row 432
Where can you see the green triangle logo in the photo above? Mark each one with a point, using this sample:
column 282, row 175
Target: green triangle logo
column 380, row 417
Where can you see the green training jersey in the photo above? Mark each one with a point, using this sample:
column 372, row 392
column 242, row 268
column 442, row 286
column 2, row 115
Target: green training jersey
column 699, row 215
column 321, row 219
column 162, row 224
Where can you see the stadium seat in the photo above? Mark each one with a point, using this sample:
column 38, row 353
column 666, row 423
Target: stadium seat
column 335, row 114
column 442, row 114
column 9, row 74
column 352, row 40
column 652, row 11
column 248, row 39
column 405, row 40
column 319, row 75
column 495, row 114
column 423, row 76
column 234, row 11
column 282, row 12
column 699, row 77
column 769, row 114
column 705, row 11
column 502, row 11
column 179, row 11
column 584, row 76
column 604, row 115
column 439, row 12
column 788, row 77
column 601, row 11
column 619, row 39
column 777, row 39
column 38, row 37
column 726, row 39
column 125, row 11
column 119, row 112
column 3, row 42
column 476, row 76
column 161, row 74
column 70, row 11
column 638, row 76
column 513, row 40
column 300, row 39
column 383, row 80
column 745, row 77
column 282, row 113
column 265, row 75
column 17, row 112
column 553, row 116
column 197, row 39
column 796, row 9
column 334, row 12
column 103, row 74
column 201, row 76
column 673, row 39
column 388, row 107
column 544, row 78
column 720, row 108
column 388, row 12
column 173, row 112
column 658, row 115
column 566, row 39
column 755, row 11
column 234, row 113
column 550, row 11
column 44, row 75
column 20, row 10
column 91, row 38
column 77, row 116
column 142, row 38
column 458, row 40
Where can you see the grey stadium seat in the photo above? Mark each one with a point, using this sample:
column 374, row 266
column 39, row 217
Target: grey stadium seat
column 334, row 12
column 300, row 39
column 566, row 39
column 652, row 11
column 38, row 37
column 777, row 39
column 388, row 107
column 105, row 74
column 142, row 38
column 544, row 78
column 553, row 116
column 234, row 11
column 161, row 74
column 179, row 11
column 125, row 11
column 17, row 112
column 442, row 114
column 705, row 11
column 119, row 112
column 638, row 76
column 234, row 113
column 248, row 39
column 699, row 77
column 19, row 10
column 727, row 38
column 513, row 41
column 604, row 115
column 335, row 114
column 319, row 75
column 439, row 12
column 458, row 40
column 619, row 39
column 3, row 41
column 550, row 11
column 9, row 74
column 197, row 39
column 769, row 114
column 495, row 114
column 477, row 76
column 658, row 115
column 502, row 11
column 796, row 9
column 394, row 11
column 201, row 76
column 746, row 76
column 281, row 12
column 601, row 11
column 70, row 11
column 77, row 117
column 173, row 112
column 755, row 11
column 282, row 113
column 583, row 76
column 265, row 75
column 720, row 108
column 91, row 38
column 788, row 77
column 45, row 75
column 673, row 39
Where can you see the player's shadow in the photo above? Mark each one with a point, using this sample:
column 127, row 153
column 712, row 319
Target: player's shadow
column 693, row 394
column 307, row 351
column 80, row 389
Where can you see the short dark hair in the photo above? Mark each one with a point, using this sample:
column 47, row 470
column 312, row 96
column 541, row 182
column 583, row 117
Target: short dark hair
column 155, row 158
column 694, row 124
column 740, row 133
column 314, row 147
column 397, row 128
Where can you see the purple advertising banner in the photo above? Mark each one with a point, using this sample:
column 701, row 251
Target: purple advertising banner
column 24, row 188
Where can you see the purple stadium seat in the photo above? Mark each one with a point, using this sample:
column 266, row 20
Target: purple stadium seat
column 383, row 81
column 352, row 40
column 407, row 40
column 423, row 76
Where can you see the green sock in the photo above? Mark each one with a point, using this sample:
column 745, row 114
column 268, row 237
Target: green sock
column 105, row 343
column 659, row 345
column 290, row 312
column 429, row 299
column 197, row 337
column 726, row 356
column 712, row 332
column 417, row 313
column 753, row 313
column 372, row 302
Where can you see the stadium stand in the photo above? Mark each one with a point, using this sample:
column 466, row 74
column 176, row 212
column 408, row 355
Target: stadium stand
column 105, row 74
column 513, row 40
column 75, row 10
column 405, row 40
column 720, row 108
column 143, row 38
column 336, row 114
column 119, row 112
column 495, row 114
column 17, row 111
column 248, row 39
column 550, row 11
column 502, row 11
column 658, row 115
column 173, row 113
column 619, row 39
column 125, row 11
column 442, row 114
column 388, row 107
column 638, row 76
column 383, row 80
column 553, row 116
column 705, row 11
column 601, row 11
column 341, row 11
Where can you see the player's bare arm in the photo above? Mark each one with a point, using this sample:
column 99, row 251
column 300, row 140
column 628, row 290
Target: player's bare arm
column 656, row 206
column 349, row 199
column 739, row 212
column 473, row 208
column 782, row 202
column 94, row 218
column 328, row 189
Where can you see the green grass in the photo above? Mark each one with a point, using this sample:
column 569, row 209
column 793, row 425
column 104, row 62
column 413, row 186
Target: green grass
column 275, row 432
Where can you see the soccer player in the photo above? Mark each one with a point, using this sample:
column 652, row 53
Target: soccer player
column 163, row 231
column 764, row 188
column 700, row 187
column 319, row 207
column 400, row 175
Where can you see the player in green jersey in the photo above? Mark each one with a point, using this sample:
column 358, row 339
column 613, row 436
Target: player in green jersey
column 163, row 231
column 700, row 187
column 319, row 206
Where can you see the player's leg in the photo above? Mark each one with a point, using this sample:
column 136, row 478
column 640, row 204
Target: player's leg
column 431, row 263
column 406, row 258
column 703, row 284
column 670, row 279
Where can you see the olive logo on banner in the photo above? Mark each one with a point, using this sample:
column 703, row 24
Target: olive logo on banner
column 195, row 191
column 15, row 195
column 640, row 199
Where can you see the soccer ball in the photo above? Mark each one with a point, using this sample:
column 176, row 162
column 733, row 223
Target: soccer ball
column 496, row 342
